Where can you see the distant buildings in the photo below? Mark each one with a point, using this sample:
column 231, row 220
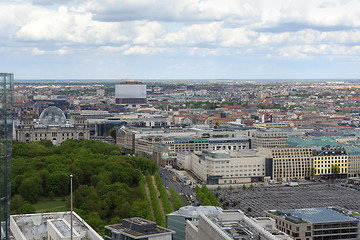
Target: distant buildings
column 130, row 93
column 52, row 226
column 52, row 126
column 268, row 139
column 6, row 126
column 137, row 228
column 316, row 223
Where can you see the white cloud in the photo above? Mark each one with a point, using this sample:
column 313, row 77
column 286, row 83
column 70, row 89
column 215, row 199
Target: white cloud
column 61, row 51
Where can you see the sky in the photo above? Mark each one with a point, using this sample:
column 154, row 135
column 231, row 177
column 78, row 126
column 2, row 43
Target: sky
column 180, row 39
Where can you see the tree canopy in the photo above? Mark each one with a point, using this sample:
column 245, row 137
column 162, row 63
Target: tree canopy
column 105, row 182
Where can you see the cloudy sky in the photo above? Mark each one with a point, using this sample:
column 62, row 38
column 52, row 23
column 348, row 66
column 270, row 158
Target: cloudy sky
column 180, row 39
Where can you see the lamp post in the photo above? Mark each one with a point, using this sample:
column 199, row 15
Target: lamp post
column 71, row 208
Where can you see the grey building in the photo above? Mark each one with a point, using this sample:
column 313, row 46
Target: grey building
column 176, row 221
column 6, row 103
column 137, row 228
column 53, row 126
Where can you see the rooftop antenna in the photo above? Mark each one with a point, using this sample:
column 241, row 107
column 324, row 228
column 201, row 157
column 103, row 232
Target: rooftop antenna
column 71, row 208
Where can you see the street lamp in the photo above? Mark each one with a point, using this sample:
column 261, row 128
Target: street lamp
column 71, row 208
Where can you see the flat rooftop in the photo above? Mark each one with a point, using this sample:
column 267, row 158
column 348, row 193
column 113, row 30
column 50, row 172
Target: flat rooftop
column 318, row 215
column 139, row 228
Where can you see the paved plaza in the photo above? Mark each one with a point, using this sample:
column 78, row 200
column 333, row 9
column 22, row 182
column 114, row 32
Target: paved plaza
column 283, row 197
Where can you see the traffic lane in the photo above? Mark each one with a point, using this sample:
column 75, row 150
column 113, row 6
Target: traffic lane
column 179, row 187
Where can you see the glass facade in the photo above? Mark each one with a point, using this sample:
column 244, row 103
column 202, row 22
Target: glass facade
column 6, row 102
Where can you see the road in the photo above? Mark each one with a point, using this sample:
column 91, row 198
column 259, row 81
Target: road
column 167, row 175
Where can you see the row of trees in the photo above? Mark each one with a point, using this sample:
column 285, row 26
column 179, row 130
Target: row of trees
column 155, row 201
column 206, row 197
column 163, row 194
column 106, row 183
column 144, row 196
column 175, row 198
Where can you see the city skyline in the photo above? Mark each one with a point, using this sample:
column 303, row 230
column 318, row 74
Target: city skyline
column 92, row 39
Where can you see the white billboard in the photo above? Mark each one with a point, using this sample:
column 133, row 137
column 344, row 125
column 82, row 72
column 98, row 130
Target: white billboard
column 130, row 91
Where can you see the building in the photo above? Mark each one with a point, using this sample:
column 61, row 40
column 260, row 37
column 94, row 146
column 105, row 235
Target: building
column 176, row 221
column 316, row 223
column 52, row 126
column 6, row 126
column 130, row 93
column 53, row 226
column 353, row 161
column 289, row 163
column 268, row 139
column 232, row 224
column 137, row 228
column 226, row 167
column 328, row 162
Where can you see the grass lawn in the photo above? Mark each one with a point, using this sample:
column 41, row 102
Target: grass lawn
column 45, row 205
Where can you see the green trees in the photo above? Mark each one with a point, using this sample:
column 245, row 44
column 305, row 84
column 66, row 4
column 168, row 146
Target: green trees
column 154, row 201
column 163, row 194
column 175, row 198
column 107, row 186
column 206, row 197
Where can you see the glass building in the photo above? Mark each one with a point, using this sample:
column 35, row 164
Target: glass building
column 6, row 102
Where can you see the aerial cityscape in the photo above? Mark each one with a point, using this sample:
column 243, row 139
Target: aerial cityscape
column 179, row 120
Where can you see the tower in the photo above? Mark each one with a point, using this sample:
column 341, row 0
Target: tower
column 6, row 103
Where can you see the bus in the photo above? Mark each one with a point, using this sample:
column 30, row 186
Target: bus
column 174, row 179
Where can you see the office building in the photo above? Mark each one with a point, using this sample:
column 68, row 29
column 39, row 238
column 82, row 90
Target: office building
column 130, row 93
column 330, row 161
column 6, row 123
column 176, row 221
column 288, row 163
column 316, row 223
column 232, row 224
column 225, row 167
column 52, row 126
column 53, row 226
column 268, row 139
column 137, row 228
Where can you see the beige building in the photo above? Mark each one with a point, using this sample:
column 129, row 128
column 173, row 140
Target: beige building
column 52, row 126
column 289, row 163
column 316, row 223
column 226, row 167
column 353, row 155
column 268, row 139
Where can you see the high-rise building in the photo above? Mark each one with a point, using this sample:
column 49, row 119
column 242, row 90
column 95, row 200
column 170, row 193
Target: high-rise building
column 130, row 92
column 6, row 101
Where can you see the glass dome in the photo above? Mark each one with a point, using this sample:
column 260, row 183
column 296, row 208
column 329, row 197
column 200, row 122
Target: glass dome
column 52, row 116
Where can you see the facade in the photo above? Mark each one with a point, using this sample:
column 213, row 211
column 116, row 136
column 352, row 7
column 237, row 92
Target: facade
column 227, row 167
column 330, row 161
column 176, row 221
column 137, row 228
column 316, row 223
column 6, row 123
column 130, row 92
column 52, row 126
column 353, row 161
column 268, row 139
column 289, row 163
column 232, row 224
column 54, row 226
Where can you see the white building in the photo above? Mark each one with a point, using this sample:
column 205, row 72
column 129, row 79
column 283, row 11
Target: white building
column 232, row 224
column 52, row 226
column 225, row 167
